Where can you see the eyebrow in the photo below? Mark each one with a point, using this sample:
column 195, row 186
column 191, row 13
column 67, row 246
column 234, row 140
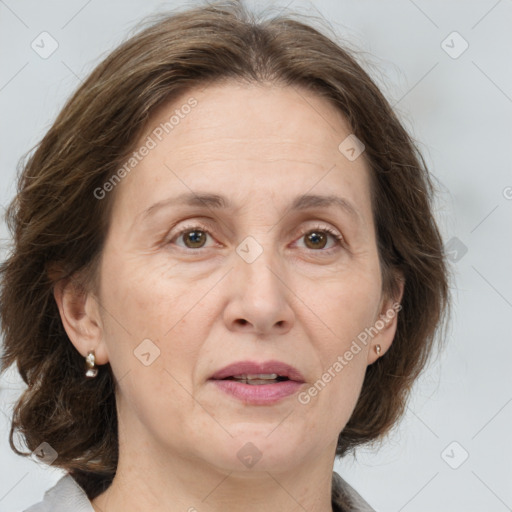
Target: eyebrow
column 216, row 201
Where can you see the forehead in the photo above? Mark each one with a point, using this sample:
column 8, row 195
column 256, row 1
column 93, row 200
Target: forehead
column 238, row 139
column 252, row 115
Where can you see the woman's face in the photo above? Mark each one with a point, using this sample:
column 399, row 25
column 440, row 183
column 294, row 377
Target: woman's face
column 189, row 287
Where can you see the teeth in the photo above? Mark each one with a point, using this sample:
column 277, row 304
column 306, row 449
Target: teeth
column 258, row 378
column 249, row 376
column 255, row 382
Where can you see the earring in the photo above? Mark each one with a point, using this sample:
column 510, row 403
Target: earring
column 90, row 370
column 377, row 349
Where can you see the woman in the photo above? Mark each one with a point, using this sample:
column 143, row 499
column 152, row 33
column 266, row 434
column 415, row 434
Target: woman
column 232, row 229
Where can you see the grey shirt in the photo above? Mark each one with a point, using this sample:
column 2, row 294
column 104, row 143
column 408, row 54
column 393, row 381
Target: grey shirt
column 67, row 496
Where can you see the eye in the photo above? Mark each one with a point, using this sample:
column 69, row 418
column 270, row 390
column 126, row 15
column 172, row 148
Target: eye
column 316, row 238
column 194, row 237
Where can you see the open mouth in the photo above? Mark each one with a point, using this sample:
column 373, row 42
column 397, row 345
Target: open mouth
column 258, row 383
column 257, row 379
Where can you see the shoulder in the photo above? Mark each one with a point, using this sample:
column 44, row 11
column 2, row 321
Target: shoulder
column 345, row 498
column 65, row 496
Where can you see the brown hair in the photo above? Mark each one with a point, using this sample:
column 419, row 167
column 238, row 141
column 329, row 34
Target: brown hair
column 55, row 218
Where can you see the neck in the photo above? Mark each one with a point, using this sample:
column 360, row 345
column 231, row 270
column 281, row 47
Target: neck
column 180, row 484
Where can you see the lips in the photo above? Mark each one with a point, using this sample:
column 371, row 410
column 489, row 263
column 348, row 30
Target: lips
column 243, row 368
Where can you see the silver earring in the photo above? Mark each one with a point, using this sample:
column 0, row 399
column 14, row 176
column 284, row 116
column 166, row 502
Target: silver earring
column 377, row 349
column 90, row 367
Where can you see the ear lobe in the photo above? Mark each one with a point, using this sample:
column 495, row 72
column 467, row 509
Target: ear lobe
column 386, row 323
column 79, row 313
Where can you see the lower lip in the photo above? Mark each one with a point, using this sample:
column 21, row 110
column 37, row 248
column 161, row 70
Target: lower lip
column 259, row 394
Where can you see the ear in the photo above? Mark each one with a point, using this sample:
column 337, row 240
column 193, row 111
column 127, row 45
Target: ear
column 386, row 322
column 80, row 314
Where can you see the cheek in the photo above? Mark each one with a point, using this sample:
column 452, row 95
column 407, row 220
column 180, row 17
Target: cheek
column 346, row 308
column 145, row 297
column 149, row 311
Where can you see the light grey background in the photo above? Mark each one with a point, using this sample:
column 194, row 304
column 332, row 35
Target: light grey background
column 460, row 111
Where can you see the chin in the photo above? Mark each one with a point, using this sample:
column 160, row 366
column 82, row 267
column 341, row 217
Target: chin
column 257, row 449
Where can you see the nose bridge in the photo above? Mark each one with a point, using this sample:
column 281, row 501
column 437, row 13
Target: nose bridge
column 260, row 296
column 258, row 264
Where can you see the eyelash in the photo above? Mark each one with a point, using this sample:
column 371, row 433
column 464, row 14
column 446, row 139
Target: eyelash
column 338, row 238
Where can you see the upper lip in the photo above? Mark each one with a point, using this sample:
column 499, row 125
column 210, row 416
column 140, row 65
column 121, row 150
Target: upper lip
column 253, row 367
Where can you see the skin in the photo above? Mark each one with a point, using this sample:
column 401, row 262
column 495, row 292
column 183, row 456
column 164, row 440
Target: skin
column 206, row 307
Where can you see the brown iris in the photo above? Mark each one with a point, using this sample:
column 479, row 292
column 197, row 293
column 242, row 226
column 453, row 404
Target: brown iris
column 315, row 237
column 196, row 238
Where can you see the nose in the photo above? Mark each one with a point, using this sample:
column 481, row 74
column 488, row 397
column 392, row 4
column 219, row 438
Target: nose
column 259, row 298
